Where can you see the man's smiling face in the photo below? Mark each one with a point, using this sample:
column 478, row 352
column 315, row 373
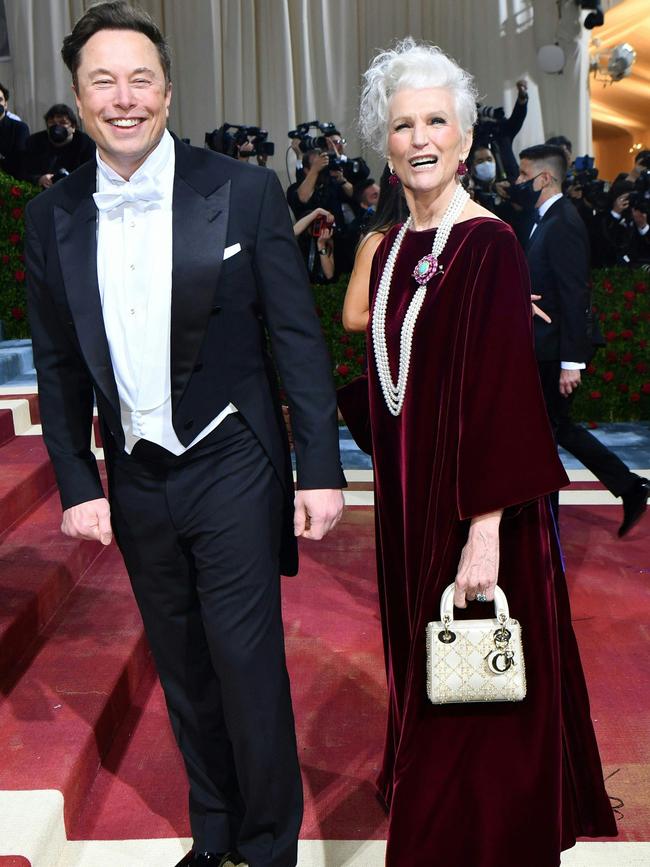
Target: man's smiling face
column 122, row 97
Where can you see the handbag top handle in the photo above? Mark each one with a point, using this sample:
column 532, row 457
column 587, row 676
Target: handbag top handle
column 447, row 605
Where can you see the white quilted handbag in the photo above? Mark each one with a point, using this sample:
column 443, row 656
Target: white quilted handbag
column 475, row 660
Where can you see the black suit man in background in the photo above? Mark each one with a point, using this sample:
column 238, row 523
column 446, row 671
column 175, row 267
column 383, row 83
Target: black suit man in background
column 13, row 137
column 558, row 257
column 155, row 274
column 57, row 150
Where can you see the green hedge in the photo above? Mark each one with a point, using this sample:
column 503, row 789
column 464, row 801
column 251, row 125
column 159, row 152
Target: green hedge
column 14, row 195
column 616, row 386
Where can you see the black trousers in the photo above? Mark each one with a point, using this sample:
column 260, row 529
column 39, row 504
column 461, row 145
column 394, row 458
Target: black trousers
column 200, row 536
column 603, row 463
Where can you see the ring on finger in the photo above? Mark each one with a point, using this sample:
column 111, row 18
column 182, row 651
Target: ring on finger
column 481, row 597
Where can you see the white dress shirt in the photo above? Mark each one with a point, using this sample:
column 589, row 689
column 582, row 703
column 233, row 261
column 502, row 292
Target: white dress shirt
column 565, row 365
column 134, row 270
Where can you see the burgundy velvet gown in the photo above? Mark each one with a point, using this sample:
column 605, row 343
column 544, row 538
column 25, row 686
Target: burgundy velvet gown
column 478, row 785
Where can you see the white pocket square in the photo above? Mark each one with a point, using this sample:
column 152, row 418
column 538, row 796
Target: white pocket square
column 231, row 251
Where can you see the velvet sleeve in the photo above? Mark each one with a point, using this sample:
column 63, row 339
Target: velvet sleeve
column 506, row 454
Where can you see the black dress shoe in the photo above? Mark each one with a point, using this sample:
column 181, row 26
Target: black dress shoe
column 635, row 502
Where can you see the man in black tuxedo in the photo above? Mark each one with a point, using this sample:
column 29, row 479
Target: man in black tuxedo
column 156, row 274
column 557, row 250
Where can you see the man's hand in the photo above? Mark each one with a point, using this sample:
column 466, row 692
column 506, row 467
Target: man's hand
column 569, row 381
column 537, row 311
column 316, row 512
column 91, row 520
column 522, row 90
column 45, row 181
column 318, row 163
column 621, row 203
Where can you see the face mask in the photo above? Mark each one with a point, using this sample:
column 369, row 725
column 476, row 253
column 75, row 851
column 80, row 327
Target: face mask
column 58, row 134
column 486, row 171
column 524, row 194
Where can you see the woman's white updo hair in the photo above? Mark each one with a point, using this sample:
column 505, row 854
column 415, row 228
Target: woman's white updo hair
column 411, row 65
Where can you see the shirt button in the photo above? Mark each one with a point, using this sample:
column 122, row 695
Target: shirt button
column 132, row 267
column 132, row 312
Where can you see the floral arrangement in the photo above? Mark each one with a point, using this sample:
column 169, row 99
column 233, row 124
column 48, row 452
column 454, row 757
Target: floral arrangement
column 617, row 384
column 14, row 195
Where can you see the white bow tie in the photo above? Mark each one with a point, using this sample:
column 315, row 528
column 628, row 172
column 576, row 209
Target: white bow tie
column 139, row 194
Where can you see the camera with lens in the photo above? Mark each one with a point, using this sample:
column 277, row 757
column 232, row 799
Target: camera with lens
column 231, row 136
column 308, row 142
column 639, row 197
column 59, row 174
column 584, row 176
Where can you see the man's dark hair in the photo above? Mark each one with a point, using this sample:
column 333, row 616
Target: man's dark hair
column 62, row 110
column 113, row 15
column 642, row 155
column 5, row 91
column 561, row 141
column 552, row 155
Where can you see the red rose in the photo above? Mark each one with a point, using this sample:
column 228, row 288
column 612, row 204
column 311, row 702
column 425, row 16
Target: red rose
column 640, row 287
column 601, row 317
column 14, row 238
column 5, row 259
column 591, row 368
column 612, row 356
column 616, row 316
column 344, row 339
column 609, row 289
column 16, row 192
column 623, row 387
column 641, row 367
column 626, row 358
column 592, row 424
column 349, row 352
column 645, row 388
column 643, row 344
column 595, row 395
column 635, row 397
column 360, row 359
column 342, row 369
column 16, row 213
column 627, row 334
column 628, row 305
column 17, row 312
column 629, row 295
column 608, row 376
column 610, row 336
column 607, row 284
column 20, row 276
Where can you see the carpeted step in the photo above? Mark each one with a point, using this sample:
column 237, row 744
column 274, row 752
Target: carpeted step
column 27, row 476
column 39, row 568
column 59, row 719
column 30, row 397
column 7, row 431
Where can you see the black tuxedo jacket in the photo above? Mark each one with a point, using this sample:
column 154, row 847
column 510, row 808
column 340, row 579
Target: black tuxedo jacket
column 558, row 259
column 222, row 312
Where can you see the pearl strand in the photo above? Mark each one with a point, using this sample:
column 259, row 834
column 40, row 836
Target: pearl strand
column 394, row 393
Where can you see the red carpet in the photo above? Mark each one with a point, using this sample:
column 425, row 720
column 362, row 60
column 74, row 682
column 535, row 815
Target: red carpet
column 82, row 712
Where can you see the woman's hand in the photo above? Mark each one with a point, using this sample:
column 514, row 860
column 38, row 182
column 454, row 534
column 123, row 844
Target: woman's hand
column 478, row 569
column 537, row 311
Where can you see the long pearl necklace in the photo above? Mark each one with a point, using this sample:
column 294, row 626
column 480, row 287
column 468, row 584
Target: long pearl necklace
column 426, row 268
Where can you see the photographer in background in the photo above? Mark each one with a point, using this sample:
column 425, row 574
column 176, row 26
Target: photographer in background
column 325, row 186
column 486, row 189
column 315, row 234
column 241, row 142
column 496, row 131
column 13, row 137
column 57, row 150
column 625, row 226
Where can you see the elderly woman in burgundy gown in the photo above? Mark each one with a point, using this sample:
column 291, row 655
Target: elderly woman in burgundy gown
column 463, row 458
